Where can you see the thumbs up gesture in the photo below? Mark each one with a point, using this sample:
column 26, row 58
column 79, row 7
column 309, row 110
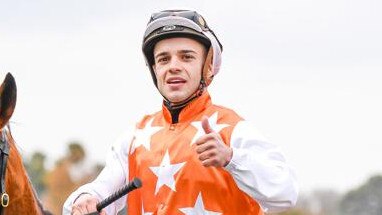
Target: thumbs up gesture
column 210, row 147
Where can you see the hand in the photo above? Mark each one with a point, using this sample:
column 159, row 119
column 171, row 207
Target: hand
column 211, row 149
column 85, row 203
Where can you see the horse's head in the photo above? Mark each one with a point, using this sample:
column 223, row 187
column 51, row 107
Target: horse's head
column 17, row 195
column 8, row 94
column 7, row 106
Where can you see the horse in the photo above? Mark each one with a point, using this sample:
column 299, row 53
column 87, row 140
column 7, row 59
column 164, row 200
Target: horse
column 17, row 193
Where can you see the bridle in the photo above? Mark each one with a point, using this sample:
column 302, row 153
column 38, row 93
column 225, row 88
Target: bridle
column 4, row 148
column 4, row 154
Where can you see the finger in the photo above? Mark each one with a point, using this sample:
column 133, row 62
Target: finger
column 208, row 162
column 210, row 154
column 84, row 210
column 213, row 160
column 205, row 138
column 206, row 125
column 91, row 208
column 204, row 147
column 103, row 212
column 77, row 210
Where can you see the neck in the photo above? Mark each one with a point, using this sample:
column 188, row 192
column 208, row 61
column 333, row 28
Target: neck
column 175, row 108
column 188, row 112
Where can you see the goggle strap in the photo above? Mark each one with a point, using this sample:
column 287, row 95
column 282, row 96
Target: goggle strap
column 216, row 55
column 171, row 21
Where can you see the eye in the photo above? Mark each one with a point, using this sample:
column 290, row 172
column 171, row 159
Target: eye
column 162, row 59
column 188, row 57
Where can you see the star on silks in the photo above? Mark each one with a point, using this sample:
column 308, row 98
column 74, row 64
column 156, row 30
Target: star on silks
column 198, row 208
column 213, row 120
column 165, row 173
column 143, row 136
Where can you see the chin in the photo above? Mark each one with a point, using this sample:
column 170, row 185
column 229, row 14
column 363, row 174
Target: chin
column 176, row 98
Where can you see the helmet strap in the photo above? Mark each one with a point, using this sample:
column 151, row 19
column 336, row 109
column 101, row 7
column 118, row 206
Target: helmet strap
column 181, row 104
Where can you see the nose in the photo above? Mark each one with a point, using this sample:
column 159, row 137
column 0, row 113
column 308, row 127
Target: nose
column 174, row 65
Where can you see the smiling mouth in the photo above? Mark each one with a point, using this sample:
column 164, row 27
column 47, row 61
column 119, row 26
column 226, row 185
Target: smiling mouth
column 176, row 81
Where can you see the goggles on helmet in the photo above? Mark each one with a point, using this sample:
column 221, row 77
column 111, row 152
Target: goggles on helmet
column 177, row 18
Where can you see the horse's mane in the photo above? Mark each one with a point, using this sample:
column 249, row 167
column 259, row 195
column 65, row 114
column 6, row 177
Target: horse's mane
column 39, row 203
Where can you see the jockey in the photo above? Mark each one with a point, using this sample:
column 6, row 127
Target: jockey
column 193, row 157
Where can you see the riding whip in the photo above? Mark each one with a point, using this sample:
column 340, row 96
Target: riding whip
column 132, row 185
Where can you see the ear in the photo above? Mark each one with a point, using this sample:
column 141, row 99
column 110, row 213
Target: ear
column 210, row 67
column 208, row 74
column 8, row 95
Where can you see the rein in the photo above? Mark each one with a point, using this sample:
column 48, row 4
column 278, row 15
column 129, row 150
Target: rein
column 4, row 148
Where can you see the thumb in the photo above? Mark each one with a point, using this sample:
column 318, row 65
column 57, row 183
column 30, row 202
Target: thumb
column 206, row 125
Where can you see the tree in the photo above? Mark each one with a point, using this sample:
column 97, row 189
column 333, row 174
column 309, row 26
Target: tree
column 365, row 200
column 36, row 171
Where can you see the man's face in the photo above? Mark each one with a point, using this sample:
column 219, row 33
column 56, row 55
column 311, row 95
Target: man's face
column 178, row 67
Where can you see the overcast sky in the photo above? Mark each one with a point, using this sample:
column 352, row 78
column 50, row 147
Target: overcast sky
column 307, row 73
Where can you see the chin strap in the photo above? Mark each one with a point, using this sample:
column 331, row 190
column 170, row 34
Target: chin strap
column 196, row 94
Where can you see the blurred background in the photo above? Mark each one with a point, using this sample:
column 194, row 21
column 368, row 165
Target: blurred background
column 307, row 73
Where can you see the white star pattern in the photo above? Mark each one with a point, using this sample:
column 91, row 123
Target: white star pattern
column 213, row 119
column 143, row 136
column 165, row 173
column 198, row 208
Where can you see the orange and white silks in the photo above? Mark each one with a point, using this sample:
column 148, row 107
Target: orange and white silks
column 257, row 179
column 174, row 180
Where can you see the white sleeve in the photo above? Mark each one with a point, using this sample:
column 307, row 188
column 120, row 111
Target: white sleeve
column 260, row 169
column 112, row 177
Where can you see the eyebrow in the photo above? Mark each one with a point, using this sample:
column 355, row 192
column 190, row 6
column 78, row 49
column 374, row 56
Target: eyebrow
column 181, row 52
column 160, row 54
column 187, row 51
